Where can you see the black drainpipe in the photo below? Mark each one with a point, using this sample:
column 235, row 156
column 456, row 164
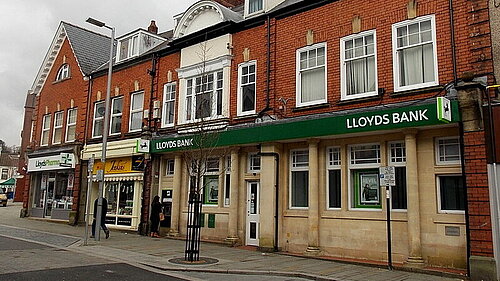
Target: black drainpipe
column 268, row 65
column 464, row 183
column 453, row 49
column 276, row 207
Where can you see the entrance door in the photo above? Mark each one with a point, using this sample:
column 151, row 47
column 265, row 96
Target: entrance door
column 49, row 197
column 252, row 225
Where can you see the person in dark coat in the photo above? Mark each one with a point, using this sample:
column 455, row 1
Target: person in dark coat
column 103, row 217
column 156, row 209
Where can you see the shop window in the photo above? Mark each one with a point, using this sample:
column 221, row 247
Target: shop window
column 397, row 158
column 311, row 75
column 168, row 104
column 227, row 181
column 116, row 115
column 71, row 125
column 204, row 96
column 5, row 174
column 448, row 151
column 45, row 130
column 99, row 111
column 211, row 189
column 170, row 165
column 359, row 65
column 136, row 106
column 120, row 197
column 451, row 193
column 299, row 179
column 253, row 163
column 58, row 127
column 364, row 164
column 414, row 49
column 246, row 88
column 63, row 72
column 334, row 190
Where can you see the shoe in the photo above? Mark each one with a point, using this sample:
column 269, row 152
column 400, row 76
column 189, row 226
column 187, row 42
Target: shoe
column 107, row 234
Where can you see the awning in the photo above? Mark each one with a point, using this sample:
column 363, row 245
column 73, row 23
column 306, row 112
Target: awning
column 11, row 181
column 122, row 177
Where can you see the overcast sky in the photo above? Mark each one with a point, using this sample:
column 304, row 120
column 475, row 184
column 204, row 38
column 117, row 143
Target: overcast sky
column 27, row 28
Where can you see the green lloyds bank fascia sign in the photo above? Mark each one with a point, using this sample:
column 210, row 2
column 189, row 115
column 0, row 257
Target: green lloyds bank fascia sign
column 394, row 118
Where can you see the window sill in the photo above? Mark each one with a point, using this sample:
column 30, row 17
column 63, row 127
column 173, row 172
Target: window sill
column 310, row 107
column 359, row 100
column 133, row 134
column 60, row 81
column 417, row 91
column 248, row 116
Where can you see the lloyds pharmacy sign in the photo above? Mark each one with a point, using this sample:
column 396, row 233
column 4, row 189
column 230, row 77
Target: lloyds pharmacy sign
column 441, row 112
column 54, row 162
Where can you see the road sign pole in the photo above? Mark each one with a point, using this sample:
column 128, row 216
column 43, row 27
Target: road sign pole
column 388, row 206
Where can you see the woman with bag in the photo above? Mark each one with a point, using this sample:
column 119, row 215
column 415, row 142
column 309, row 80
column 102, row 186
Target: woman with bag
column 156, row 214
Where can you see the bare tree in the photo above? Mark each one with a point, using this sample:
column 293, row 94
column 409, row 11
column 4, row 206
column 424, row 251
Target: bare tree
column 204, row 105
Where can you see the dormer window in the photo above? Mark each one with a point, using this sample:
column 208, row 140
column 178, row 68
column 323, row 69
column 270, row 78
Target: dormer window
column 63, row 72
column 254, row 6
column 137, row 43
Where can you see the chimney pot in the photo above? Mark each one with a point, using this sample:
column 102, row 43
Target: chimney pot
column 153, row 28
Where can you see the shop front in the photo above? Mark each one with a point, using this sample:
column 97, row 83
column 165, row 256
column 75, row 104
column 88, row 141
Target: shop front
column 320, row 177
column 123, row 183
column 52, row 183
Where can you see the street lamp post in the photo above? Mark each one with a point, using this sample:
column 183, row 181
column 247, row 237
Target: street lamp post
column 100, row 172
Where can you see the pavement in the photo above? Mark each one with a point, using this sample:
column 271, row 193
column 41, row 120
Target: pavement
column 155, row 254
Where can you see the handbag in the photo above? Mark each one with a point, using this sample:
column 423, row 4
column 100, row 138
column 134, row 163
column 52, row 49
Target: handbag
column 162, row 217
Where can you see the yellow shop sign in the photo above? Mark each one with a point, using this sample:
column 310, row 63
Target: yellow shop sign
column 119, row 165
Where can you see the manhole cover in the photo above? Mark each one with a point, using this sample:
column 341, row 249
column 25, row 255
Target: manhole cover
column 202, row 261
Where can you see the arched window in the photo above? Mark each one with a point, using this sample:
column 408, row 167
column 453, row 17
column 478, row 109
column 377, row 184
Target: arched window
column 63, row 72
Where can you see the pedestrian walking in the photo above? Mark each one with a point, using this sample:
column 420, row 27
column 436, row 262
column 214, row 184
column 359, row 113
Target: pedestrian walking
column 156, row 213
column 103, row 217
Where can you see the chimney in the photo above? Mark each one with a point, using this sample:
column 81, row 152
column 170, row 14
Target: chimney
column 230, row 3
column 152, row 27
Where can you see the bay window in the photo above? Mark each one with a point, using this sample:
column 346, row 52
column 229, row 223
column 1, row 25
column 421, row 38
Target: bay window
column 204, row 96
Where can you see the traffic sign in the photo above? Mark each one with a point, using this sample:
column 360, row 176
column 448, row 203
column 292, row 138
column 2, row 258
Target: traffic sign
column 387, row 175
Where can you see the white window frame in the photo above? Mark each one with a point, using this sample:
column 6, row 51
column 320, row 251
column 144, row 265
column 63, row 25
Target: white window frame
column 169, row 91
column 247, row 8
column 437, row 151
column 98, row 119
column 45, row 129
column 115, row 115
column 68, row 124
column 169, row 167
column 63, row 73
column 396, row 64
column 251, row 165
column 58, row 117
column 227, row 199
column 135, row 111
column 332, row 164
column 298, row 78
column 209, row 172
column 343, row 61
column 390, row 160
column 438, row 193
column 241, row 85
column 214, row 95
column 131, row 52
column 297, row 167
column 355, row 166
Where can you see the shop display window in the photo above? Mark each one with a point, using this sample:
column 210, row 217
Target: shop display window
column 364, row 164
column 299, row 183
column 120, row 196
column 334, row 178
column 397, row 158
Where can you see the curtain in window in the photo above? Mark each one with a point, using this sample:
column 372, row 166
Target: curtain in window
column 254, row 6
column 416, row 65
column 313, row 84
column 360, row 76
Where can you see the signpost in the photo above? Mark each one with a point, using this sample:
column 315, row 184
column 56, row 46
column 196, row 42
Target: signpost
column 388, row 179
column 87, row 207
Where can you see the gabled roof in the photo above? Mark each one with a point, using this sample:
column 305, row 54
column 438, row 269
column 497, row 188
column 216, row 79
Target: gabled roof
column 91, row 50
